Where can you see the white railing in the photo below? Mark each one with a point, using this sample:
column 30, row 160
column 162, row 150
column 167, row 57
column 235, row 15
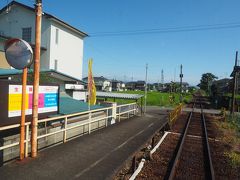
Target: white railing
column 126, row 109
column 65, row 122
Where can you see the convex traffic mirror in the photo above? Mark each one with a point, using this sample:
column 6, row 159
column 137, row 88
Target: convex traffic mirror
column 19, row 53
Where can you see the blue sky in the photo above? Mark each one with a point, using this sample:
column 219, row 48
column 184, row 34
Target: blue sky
column 124, row 57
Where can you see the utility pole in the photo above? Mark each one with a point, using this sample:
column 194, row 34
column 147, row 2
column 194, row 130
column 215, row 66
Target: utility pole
column 174, row 74
column 181, row 89
column 235, row 76
column 162, row 79
column 145, row 102
column 38, row 25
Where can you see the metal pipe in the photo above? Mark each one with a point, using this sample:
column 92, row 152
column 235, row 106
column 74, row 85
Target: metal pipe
column 23, row 109
column 27, row 138
column 65, row 130
column 38, row 8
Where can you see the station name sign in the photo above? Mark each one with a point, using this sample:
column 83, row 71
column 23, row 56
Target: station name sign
column 11, row 102
column 47, row 100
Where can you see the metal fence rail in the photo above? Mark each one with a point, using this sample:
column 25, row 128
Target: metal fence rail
column 107, row 112
column 126, row 109
column 173, row 115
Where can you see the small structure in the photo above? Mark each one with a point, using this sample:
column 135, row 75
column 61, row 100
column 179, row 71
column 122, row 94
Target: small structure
column 114, row 96
column 130, row 86
column 136, row 85
column 175, row 87
column 117, row 85
column 221, row 86
column 101, row 83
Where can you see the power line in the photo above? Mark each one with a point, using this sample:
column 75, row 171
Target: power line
column 168, row 30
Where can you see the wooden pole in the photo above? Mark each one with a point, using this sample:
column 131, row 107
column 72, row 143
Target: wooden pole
column 23, row 109
column 38, row 8
column 181, row 88
column 235, row 74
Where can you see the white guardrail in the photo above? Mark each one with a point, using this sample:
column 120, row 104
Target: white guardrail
column 120, row 110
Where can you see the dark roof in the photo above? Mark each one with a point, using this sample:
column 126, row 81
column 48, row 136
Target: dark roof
column 183, row 83
column 136, row 82
column 131, row 82
column 49, row 16
column 140, row 82
column 96, row 79
column 4, row 73
column 116, row 81
column 222, row 81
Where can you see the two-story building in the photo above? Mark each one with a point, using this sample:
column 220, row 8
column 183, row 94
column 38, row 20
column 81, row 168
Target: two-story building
column 61, row 43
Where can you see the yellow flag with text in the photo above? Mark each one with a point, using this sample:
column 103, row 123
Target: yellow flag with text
column 91, row 85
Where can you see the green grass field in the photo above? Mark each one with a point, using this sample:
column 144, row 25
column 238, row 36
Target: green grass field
column 158, row 98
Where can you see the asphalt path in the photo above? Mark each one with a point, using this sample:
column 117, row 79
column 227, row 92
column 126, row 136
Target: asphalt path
column 95, row 156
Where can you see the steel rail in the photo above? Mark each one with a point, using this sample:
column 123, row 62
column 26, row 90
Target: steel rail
column 207, row 144
column 177, row 157
column 172, row 173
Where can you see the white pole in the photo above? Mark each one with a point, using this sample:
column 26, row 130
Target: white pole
column 89, row 113
column 145, row 102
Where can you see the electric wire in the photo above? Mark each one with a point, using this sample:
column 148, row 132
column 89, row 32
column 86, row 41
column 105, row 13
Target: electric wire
column 168, row 30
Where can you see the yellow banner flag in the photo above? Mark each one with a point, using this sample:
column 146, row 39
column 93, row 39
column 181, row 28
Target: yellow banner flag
column 91, row 85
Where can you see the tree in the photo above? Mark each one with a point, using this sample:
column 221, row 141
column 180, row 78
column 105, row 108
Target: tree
column 206, row 82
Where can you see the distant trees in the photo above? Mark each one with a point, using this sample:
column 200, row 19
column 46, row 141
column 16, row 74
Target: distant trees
column 206, row 82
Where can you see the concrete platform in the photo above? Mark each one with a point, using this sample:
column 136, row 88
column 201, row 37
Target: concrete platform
column 94, row 156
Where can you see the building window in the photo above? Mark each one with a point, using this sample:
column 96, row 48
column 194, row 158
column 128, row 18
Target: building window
column 27, row 34
column 55, row 65
column 57, row 34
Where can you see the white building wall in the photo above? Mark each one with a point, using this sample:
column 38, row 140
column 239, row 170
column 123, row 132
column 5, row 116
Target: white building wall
column 11, row 25
column 80, row 95
column 68, row 52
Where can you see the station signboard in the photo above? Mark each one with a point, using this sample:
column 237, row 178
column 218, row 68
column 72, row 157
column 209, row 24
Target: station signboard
column 11, row 99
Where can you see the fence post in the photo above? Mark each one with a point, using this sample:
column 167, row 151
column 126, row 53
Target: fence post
column 106, row 119
column 114, row 111
column 65, row 130
column 89, row 123
column 45, row 126
column 134, row 109
column 119, row 111
column 26, row 144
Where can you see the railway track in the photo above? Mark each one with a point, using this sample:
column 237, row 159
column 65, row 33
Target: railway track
column 192, row 157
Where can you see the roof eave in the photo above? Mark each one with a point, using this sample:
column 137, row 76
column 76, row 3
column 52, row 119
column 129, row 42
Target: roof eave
column 50, row 17
column 83, row 34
